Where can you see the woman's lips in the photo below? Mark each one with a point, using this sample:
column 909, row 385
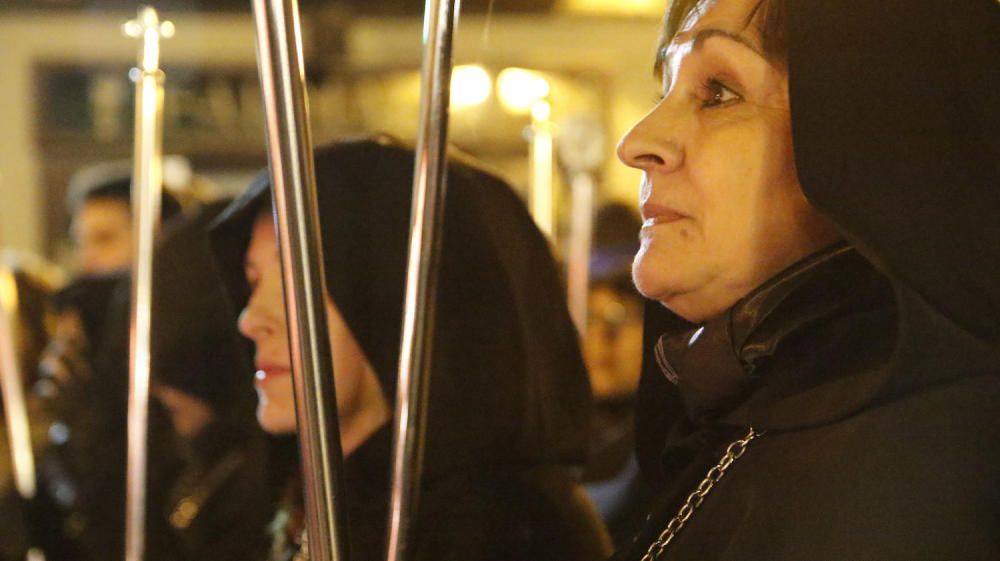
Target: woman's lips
column 654, row 214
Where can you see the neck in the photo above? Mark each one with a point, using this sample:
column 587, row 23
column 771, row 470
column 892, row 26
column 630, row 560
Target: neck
column 367, row 420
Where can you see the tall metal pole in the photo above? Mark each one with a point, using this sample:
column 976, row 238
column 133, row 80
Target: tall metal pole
column 147, row 184
column 293, row 181
column 578, row 256
column 542, row 189
column 427, row 213
column 15, row 405
column 581, row 152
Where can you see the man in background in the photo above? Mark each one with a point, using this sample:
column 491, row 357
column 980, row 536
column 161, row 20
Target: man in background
column 99, row 202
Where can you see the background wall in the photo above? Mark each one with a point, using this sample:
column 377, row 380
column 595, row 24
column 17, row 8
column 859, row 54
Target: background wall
column 607, row 59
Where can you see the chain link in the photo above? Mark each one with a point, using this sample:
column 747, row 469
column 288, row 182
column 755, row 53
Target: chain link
column 694, row 500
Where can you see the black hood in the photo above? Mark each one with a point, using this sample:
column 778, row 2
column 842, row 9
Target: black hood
column 90, row 296
column 896, row 143
column 195, row 346
column 508, row 383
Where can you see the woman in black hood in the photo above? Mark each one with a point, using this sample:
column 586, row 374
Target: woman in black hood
column 822, row 248
column 510, row 400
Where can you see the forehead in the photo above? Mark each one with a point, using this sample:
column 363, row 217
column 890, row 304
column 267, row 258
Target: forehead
column 104, row 206
column 729, row 15
column 262, row 238
column 731, row 19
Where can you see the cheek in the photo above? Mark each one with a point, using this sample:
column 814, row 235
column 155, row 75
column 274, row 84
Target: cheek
column 273, row 300
column 753, row 206
column 739, row 175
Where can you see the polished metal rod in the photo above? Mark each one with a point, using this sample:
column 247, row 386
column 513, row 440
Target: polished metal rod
column 15, row 406
column 427, row 215
column 578, row 258
column 147, row 184
column 582, row 153
column 293, row 180
column 12, row 387
column 542, row 189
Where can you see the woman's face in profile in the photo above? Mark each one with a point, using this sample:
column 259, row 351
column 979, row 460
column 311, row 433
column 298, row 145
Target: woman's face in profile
column 263, row 321
column 720, row 198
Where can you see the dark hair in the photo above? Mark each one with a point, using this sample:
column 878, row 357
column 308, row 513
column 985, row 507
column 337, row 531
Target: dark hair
column 120, row 189
column 769, row 16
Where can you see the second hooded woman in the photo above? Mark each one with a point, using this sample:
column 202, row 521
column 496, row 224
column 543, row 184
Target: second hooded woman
column 510, row 400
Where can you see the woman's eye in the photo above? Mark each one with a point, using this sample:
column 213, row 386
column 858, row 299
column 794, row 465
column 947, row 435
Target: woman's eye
column 717, row 94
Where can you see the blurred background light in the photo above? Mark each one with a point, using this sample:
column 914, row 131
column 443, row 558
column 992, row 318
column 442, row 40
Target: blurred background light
column 470, row 86
column 615, row 7
column 541, row 111
column 520, row 89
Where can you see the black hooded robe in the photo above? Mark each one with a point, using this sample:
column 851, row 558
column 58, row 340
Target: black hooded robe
column 874, row 367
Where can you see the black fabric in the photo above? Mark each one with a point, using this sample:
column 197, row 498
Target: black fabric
column 894, row 142
column 96, row 415
column 196, row 349
column 612, row 479
column 220, row 504
column 509, row 396
column 89, row 296
column 205, row 358
column 875, row 373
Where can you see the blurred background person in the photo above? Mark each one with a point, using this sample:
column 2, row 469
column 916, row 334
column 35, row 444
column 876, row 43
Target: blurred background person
column 207, row 491
column 83, row 415
column 613, row 351
column 27, row 523
column 99, row 202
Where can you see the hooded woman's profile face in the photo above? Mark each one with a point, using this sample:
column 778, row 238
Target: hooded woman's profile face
column 360, row 401
column 503, row 338
column 720, row 198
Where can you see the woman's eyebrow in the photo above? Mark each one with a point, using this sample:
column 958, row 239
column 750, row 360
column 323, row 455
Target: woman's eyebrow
column 698, row 40
column 704, row 34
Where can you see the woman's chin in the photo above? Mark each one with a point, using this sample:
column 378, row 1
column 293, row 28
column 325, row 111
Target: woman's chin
column 652, row 278
column 275, row 422
column 693, row 295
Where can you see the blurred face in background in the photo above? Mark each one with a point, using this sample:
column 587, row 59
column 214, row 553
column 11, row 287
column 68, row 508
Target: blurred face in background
column 102, row 230
column 361, row 405
column 613, row 342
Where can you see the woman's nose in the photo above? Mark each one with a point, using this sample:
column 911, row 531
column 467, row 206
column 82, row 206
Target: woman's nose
column 650, row 145
column 251, row 322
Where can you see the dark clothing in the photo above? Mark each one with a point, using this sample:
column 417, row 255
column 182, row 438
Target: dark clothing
column 874, row 374
column 497, row 514
column 206, row 499
column 612, row 479
column 509, row 397
column 219, row 506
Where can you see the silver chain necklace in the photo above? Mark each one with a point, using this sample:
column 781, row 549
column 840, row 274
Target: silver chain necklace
column 694, row 500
